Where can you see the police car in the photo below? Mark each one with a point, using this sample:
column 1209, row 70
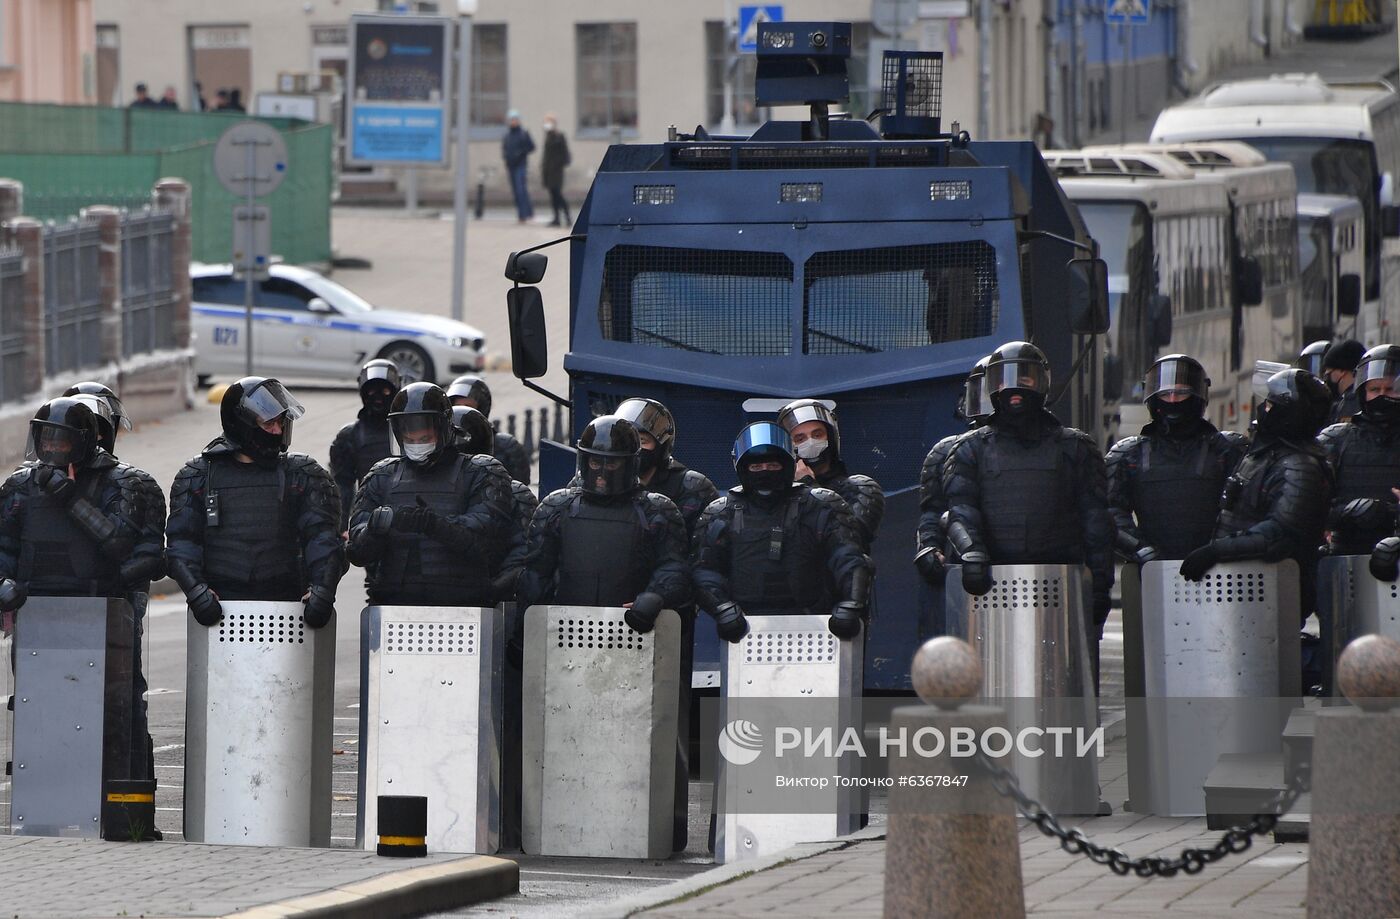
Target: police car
column 305, row 325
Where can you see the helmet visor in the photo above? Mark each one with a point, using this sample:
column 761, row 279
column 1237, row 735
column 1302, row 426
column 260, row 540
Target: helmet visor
column 417, row 429
column 650, row 417
column 54, row 444
column 1176, row 376
column 1029, row 375
column 268, row 401
column 118, row 411
column 1312, row 363
column 1260, row 383
column 1379, row 377
column 760, row 435
column 977, row 402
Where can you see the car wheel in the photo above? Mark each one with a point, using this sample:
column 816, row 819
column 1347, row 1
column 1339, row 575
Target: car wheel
column 413, row 362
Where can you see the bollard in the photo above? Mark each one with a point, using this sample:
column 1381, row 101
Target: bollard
column 951, row 852
column 1354, row 835
column 528, row 441
column 403, row 826
column 559, row 425
column 129, row 810
column 510, row 425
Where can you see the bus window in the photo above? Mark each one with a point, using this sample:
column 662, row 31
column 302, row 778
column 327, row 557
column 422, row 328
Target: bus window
column 1123, row 232
column 1315, row 276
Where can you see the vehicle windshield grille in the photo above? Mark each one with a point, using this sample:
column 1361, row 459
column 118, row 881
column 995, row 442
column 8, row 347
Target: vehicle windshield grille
column 873, row 300
column 702, row 300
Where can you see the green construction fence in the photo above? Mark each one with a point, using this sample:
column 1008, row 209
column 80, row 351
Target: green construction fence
column 70, row 157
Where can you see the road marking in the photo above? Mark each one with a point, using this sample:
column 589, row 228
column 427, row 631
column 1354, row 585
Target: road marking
column 353, row 705
column 174, row 809
column 347, row 717
column 342, row 838
column 162, row 692
column 611, row 877
column 168, row 747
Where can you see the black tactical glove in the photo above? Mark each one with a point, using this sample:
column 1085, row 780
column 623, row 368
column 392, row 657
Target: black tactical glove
column 641, row 618
column 381, row 521
column 846, row 619
column 1199, row 562
column 13, row 594
column 412, row 519
column 1385, row 560
column 1366, row 514
column 976, row 574
column 930, row 567
column 53, row 482
column 1145, row 554
column 320, row 607
column 204, row 604
column 730, row 622
column 503, row 588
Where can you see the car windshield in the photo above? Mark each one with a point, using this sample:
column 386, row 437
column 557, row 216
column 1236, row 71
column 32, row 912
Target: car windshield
column 1324, row 165
column 1120, row 229
column 341, row 297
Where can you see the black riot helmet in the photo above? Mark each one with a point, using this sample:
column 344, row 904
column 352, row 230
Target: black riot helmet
column 420, row 419
column 471, row 432
column 474, row 388
column 1295, row 405
column 379, row 383
column 1311, row 357
column 1018, row 369
column 106, row 424
column 651, row 417
column 1176, row 389
column 805, row 410
column 609, row 457
column 975, row 406
column 251, row 403
column 63, row 432
column 116, row 412
column 1378, row 383
column 760, row 442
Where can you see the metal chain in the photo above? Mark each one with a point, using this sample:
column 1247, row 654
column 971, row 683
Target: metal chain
column 1190, row 861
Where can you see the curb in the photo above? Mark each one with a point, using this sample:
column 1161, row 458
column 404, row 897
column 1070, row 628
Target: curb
column 719, row 875
column 413, row 892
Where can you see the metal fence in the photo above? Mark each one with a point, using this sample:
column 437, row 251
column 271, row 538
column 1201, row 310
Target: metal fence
column 11, row 324
column 149, row 295
column 534, row 425
column 72, row 296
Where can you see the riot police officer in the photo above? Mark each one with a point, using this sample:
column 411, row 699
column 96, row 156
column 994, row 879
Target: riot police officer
column 1025, row 489
column 690, row 491
column 430, row 524
column 607, row 541
column 775, row 546
column 1164, row 484
column 931, row 544
column 1275, row 504
column 73, row 524
column 472, row 391
column 472, row 435
column 1365, row 457
column 1339, row 373
column 366, row 440
column 251, row 521
column 1310, row 358
column 816, row 441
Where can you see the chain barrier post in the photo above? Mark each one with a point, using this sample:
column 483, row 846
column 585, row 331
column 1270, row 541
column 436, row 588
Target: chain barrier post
column 1354, row 834
column 945, row 814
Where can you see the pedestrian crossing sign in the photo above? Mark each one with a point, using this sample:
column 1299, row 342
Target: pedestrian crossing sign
column 749, row 18
column 1128, row 12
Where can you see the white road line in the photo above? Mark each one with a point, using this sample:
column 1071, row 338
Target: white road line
column 353, row 705
column 172, row 809
column 342, row 839
column 168, row 747
column 162, row 692
column 611, row 877
column 345, row 772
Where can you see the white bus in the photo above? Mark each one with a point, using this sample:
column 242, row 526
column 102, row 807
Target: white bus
column 1168, row 237
column 1341, row 139
column 1330, row 265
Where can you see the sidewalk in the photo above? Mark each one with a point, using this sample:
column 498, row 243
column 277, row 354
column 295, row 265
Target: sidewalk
column 47, row 878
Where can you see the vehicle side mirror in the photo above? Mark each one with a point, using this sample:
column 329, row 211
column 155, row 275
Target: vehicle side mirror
column 1159, row 315
column 529, row 348
column 1349, row 295
column 1249, row 281
column 527, row 267
column 318, row 305
column 1088, row 297
column 1390, row 221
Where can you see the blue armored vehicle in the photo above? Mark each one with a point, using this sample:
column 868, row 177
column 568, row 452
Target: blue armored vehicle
column 825, row 258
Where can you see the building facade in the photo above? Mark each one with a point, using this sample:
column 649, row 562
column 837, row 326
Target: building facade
column 47, row 51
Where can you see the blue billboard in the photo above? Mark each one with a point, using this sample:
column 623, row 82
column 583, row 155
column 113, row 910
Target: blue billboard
column 398, row 88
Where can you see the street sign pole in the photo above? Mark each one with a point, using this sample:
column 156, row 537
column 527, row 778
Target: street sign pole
column 248, row 273
column 459, row 192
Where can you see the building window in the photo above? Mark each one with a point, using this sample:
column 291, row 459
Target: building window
column 607, row 77
column 489, row 97
column 718, row 51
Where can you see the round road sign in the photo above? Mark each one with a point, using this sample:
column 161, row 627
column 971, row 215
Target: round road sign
column 250, row 150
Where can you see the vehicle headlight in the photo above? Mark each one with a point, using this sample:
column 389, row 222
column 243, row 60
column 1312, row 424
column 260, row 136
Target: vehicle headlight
column 456, row 342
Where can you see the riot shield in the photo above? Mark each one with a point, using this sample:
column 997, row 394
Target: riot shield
column 430, row 720
column 1030, row 632
column 791, row 670
column 1215, row 666
column 72, row 712
column 598, row 733
column 1355, row 604
column 258, row 727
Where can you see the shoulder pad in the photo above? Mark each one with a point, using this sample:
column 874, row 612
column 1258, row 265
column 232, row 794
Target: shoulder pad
column 20, row 475
column 1334, row 431
column 195, row 467
column 1234, row 439
column 506, row 439
column 864, row 482
column 488, row 464
column 1074, row 434
column 557, row 499
column 659, row 502
column 828, row 497
column 346, row 429
column 696, row 481
column 383, row 467
column 717, row 506
column 301, row 462
column 1127, row 445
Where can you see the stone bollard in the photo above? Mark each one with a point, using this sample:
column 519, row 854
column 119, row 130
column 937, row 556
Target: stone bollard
column 951, row 852
column 11, row 199
column 1354, row 837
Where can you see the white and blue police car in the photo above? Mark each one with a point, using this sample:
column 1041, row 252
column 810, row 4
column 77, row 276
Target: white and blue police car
column 306, row 325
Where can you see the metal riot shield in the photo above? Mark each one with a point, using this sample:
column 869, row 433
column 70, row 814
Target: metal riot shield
column 1216, row 666
column 72, row 721
column 1355, row 604
column 793, row 663
column 1031, row 635
column 258, row 727
column 598, row 733
column 430, row 720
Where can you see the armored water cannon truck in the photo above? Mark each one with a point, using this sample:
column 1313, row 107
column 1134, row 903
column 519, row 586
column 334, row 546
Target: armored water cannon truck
column 827, row 258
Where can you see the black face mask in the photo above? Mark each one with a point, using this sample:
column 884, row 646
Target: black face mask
column 651, row 460
column 1031, row 402
column 1382, row 408
column 1333, row 386
column 769, row 482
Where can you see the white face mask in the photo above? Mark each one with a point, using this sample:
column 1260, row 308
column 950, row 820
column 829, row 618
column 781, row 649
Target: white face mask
column 811, row 449
column 418, row 452
column 548, row 126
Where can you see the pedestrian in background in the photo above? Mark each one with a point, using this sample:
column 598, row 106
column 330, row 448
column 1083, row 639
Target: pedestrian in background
column 143, row 98
column 168, row 100
column 552, row 162
column 516, row 148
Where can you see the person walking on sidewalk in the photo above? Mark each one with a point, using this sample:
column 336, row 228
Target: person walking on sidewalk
column 552, row 162
column 516, row 148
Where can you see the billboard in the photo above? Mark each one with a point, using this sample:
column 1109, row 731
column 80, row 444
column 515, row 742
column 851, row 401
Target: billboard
column 397, row 89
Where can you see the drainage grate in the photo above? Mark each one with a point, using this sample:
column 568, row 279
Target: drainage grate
column 430, row 637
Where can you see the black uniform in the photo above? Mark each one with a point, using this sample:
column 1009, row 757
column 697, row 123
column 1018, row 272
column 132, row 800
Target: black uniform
column 275, row 531
column 1164, row 486
column 512, row 455
column 1364, row 454
column 690, row 491
column 356, row 448
column 452, row 561
column 862, row 494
